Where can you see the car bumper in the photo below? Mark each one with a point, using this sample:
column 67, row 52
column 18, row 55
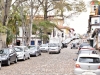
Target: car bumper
column 45, row 50
column 33, row 53
column 4, row 61
column 79, row 71
column 54, row 51
column 20, row 57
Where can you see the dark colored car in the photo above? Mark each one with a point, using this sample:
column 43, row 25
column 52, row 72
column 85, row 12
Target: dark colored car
column 74, row 45
column 8, row 55
column 64, row 45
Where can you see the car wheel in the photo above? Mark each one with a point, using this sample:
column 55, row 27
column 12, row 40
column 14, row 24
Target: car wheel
column 49, row 52
column 29, row 56
column 40, row 53
column 8, row 62
column 24, row 58
column 0, row 65
column 36, row 54
column 16, row 60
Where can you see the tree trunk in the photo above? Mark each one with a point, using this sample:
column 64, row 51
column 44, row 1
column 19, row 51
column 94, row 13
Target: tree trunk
column 45, row 10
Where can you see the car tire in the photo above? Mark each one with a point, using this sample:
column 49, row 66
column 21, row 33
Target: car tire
column 0, row 65
column 8, row 62
column 24, row 58
column 40, row 53
column 29, row 56
column 36, row 54
column 16, row 60
column 49, row 52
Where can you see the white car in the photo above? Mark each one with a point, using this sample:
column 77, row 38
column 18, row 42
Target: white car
column 87, row 63
column 44, row 47
column 22, row 52
column 54, row 48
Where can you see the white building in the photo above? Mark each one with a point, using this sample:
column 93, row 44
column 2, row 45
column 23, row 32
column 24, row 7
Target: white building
column 35, row 39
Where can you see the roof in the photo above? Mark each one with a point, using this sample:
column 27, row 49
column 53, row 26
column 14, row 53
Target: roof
column 64, row 27
column 89, row 55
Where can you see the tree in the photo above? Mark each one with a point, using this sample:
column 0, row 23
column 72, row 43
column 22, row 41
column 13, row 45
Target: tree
column 44, row 28
column 59, row 6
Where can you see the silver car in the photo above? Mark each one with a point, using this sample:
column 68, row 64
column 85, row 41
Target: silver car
column 44, row 48
column 22, row 52
column 34, row 50
column 87, row 63
column 54, row 48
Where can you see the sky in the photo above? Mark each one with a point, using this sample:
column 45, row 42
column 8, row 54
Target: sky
column 80, row 23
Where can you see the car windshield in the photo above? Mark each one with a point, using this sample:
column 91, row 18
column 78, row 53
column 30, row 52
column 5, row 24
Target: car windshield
column 44, row 45
column 4, row 51
column 18, row 49
column 84, row 44
column 33, row 48
column 89, row 60
column 53, row 45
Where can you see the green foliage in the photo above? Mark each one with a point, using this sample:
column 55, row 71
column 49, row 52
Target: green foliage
column 10, row 37
column 44, row 27
column 3, row 29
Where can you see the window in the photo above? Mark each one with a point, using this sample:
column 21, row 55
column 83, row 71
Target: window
column 89, row 60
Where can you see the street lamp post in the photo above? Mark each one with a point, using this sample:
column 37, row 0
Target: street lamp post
column 16, row 31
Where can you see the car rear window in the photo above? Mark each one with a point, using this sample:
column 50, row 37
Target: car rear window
column 89, row 60
column 84, row 44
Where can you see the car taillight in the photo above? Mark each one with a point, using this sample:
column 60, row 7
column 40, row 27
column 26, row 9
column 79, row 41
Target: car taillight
column 77, row 66
column 99, row 67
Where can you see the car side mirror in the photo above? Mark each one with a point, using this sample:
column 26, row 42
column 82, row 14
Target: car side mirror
column 75, row 59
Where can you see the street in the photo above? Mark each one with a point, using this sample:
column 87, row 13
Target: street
column 46, row 64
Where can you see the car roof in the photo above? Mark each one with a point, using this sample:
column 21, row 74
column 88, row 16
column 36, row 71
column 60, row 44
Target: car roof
column 88, row 55
column 87, row 48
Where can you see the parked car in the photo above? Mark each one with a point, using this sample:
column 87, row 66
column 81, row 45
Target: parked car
column 22, row 52
column 74, row 45
column 8, row 55
column 83, row 44
column 34, row 50
column 54, row 48
column 87, row 47
column 87, row 63
column 44, row 48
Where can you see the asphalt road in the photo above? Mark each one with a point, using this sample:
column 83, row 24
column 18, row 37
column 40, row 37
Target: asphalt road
column 46, row 64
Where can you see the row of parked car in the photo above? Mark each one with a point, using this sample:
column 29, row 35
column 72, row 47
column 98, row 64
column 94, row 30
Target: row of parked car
column 87, row 61
column 13, row 54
